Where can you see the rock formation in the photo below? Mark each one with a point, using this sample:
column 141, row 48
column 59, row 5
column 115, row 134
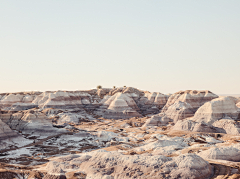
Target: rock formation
column 137, row 103
column 230, row 153
column 93, row 101
column 189, row 125
column 217, row 109
column 9, row 138
column 238, row 102
column 181, row 105
column 227, row 126
column 193, row 97
column 120, row 106
column 32, row 122
column 103, row 165
column 184, row 104
column 219, row 115
column 118, row 133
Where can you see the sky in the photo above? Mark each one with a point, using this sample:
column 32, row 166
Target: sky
column 163, row 46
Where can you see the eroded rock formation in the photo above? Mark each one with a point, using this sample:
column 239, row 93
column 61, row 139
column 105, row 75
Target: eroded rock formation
column 220, row 115
column 9, row 138
column 118, row 133
column 217, row 109
column 103, row 164
column 114, row 103
column 181, row 105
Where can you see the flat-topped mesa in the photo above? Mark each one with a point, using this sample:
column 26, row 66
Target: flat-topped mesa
column 51, row 99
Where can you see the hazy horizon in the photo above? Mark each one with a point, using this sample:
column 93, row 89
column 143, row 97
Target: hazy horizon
column 219, row 94
column 161, row 46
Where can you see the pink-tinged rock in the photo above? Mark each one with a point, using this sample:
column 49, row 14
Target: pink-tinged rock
column 217, row 109
column 184, row 104
column 189, row 125
column 8, row 137
column 120, row 106
column 227, row 126
column 230, row 153
column 34, row 123
column 193, row 97
column 103, row 165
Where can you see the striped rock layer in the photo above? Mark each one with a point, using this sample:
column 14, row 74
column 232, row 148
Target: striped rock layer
column 110, row 103
column 181, row 105
column 220, row 115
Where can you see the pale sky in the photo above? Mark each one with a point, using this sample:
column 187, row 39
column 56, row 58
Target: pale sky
column 163, row 46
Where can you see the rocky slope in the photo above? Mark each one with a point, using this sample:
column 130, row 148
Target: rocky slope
column 10, row 138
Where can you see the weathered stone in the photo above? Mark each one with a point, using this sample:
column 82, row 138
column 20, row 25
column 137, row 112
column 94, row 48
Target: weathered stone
column 217, row 109
column 102, row 164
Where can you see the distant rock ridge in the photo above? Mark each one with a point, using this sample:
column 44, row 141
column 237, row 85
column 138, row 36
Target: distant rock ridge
column 116, row 103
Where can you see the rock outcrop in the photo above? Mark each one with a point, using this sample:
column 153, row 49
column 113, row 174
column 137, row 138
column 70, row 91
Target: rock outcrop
column 32, row 122
column 110, row 103
column 103, row 165
column 181, row 105
column 230, row 153
column 227, row 126
column 9, row 138
column 219, row 115
column 17, row 101
column 193, row 97
column 144, row 102
column 184, row 104
column 238, row 103
column 217, row 109
column 189, row 125
column 120, row 106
